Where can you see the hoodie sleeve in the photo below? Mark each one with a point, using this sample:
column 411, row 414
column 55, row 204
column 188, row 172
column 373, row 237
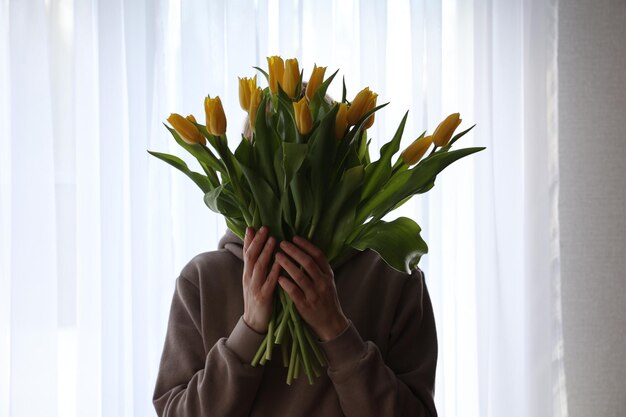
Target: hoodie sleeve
column 404, row 383
column 190, row 381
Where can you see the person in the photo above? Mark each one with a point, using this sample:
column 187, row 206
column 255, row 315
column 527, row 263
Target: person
column 381, row 363
column 374, row 324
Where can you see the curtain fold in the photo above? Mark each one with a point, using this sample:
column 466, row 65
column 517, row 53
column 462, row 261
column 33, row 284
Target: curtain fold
column 95, row 231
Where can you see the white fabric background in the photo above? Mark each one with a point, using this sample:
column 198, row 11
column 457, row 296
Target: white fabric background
column 94, row 230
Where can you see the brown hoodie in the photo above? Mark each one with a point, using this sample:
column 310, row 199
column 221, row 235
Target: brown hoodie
column 383, row 364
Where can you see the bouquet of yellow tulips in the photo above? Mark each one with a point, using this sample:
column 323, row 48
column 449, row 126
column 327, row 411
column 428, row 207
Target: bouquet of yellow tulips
column 305, row 170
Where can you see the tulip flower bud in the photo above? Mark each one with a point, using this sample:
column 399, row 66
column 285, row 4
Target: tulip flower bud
column 276, row 70
column 371, row 103
column 317, row 77
column 191, row 118
column 291, row 78
column 255, row 99
column 246, row 87
column 443, row 133
column 185, row 128
column 415, row 151
column 304, row 122
column 215, row 117
column 358, row 107
column 341, row 121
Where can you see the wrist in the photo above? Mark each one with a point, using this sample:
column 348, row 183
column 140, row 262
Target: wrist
column 254, row 325
column 334, row 328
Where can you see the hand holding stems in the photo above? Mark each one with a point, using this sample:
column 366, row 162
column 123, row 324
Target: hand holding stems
column 258, row 285
column 313, row 288
column 312, row 293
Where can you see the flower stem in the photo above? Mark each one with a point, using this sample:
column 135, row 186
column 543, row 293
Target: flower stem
column 283, row 348
column 295, row 319
column 292, row 360
column 296, row 371
column 259, row 354
column 287, row 306
column 314, row 347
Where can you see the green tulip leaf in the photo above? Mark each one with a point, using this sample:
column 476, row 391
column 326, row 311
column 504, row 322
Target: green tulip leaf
column 267, row 203
column 265, row 74
column 378, row 172
column 409, row 182
column 199, row 151
column 265, row 144
column 342, row 194
column 237, row 226
column 397, row 242
column 221, row 201
column 200, row 180
column 293, row 155
column 245, row 153
column 320, row 156
column 302, row 195
column 363, row 149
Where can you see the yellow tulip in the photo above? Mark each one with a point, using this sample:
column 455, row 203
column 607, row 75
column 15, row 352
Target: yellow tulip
column 246, row 87
column 255, row 99
column 317, row 77
column 191, row 118
column 291, row 78
column 415, row 151
column 215, row 117
column 443, row 133
column 341, row 121
column 276, row 70
column 304, row 122
column 187, row 130
column 359, row 105
column 371, row 103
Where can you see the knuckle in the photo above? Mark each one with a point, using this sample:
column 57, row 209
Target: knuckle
column 259, row 297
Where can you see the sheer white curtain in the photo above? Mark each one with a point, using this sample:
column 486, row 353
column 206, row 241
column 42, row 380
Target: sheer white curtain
column 94, row 231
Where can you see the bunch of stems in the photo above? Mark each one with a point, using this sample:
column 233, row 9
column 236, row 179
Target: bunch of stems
column 298, row 346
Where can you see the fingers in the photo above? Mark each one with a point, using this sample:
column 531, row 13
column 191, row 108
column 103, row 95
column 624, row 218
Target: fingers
column 248, row 238
column 272, row 278
column 303, row 281
column 251, row 253
column 259, row 273
column 247, row 269
column 315, row 253
column 307, row 262
column 294, row 292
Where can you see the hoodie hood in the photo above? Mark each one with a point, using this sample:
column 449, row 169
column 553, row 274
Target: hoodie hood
column 233, row 243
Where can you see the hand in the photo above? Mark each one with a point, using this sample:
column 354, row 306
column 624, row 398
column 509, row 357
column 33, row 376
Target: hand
column 313, row 289
column 258, row 285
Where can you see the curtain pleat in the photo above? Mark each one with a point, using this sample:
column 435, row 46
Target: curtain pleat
column 95, row 230
column 32, row 230
column 5, row 210
column 88, row 212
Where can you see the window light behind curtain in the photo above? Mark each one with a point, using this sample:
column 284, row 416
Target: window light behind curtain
column 94, row 231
